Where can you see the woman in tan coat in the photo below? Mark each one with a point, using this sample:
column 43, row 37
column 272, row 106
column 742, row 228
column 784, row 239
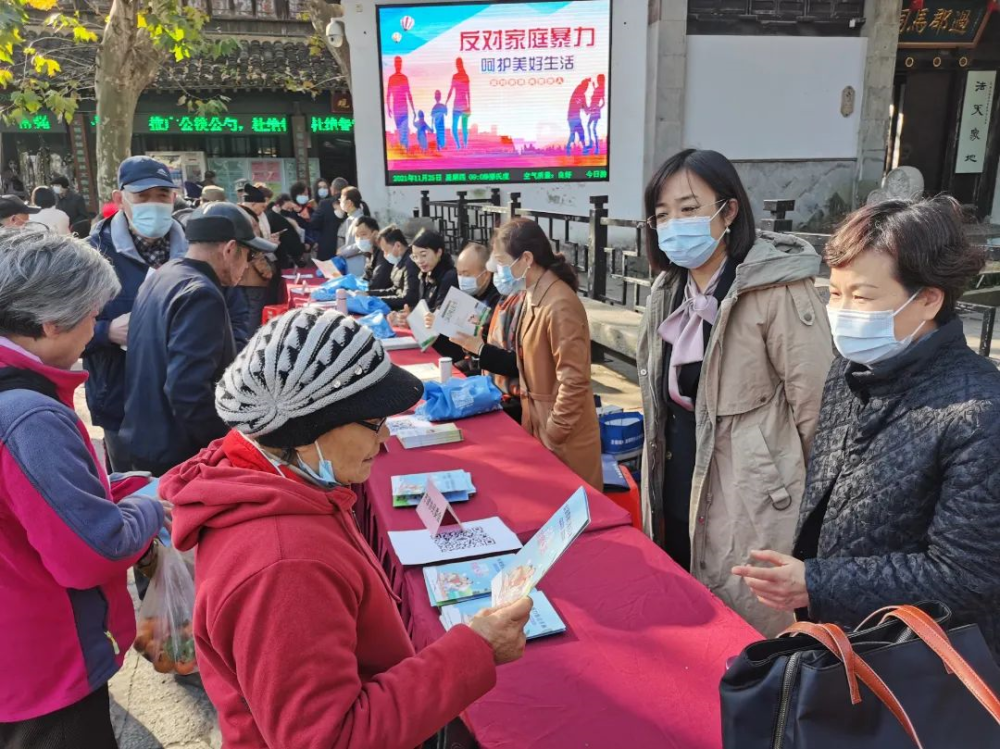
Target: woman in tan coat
column 552, row 357
column 733, row 352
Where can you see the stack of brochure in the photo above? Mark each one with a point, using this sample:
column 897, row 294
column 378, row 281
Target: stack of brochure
column 414, row 432
column 460, row 581
column 543, row 620
column 462, row 589
column 399, row 343
column 456, row 486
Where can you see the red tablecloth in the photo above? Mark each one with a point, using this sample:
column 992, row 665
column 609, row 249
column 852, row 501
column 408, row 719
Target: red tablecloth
column 639, row 665
column 516, row 478
column 296, row 294
column 646, row 645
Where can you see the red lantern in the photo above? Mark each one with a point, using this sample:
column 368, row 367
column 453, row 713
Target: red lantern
column 917, row 5
column 994, row 7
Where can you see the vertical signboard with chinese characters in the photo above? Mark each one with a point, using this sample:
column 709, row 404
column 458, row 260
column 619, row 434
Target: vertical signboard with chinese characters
column 976, row 110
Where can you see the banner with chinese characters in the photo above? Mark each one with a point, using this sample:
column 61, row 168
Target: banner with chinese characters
column 495, row 92
column 979, row 88
column 943, row 24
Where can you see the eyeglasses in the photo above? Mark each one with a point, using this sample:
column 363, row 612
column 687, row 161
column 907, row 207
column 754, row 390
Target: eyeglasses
column 661, row 219
column 374, row 426
column 252, row 254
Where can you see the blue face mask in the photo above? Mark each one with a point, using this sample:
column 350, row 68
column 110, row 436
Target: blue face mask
column 468, row 284
column 392, row 259
column 323, row 192
column 325, row 478
column 302, row 199
column 868, row 337
column 152, row 220
column 688, row 242
column 505, row 281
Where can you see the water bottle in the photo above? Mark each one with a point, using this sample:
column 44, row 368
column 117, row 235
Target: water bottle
column 342, row 301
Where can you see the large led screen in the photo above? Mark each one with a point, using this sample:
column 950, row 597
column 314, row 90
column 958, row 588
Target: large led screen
column 495, row 92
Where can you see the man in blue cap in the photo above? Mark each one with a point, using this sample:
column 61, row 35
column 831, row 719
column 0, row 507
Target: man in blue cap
column 180, row 341
column 138, row 239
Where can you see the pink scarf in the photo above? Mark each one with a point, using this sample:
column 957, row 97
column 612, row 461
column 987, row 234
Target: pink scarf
column 682, row 330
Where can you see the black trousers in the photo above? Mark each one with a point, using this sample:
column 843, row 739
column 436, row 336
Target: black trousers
column 86, row 723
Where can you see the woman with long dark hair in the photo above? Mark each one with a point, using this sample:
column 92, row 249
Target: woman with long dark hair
column 551, row 358
column 733, row 350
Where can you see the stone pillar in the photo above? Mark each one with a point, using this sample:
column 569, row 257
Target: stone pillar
column 882, row 31
column 666, row 67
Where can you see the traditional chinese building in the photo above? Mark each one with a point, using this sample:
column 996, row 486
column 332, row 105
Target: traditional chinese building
column 945, row 100
column 268, row 133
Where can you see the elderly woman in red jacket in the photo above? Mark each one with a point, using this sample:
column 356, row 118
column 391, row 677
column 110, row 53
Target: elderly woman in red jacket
column 299, row 640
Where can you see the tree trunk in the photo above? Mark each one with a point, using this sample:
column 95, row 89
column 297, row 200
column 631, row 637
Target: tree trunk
column 127, row 63
column 321, row 12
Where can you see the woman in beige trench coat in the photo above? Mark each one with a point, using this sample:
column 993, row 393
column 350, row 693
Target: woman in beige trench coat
column 733, row 352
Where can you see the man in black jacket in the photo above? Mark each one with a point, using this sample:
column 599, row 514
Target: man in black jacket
column 180, row 341
column 326, row 221
column 73, row 205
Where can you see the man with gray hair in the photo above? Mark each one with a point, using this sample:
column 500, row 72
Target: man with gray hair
column 180, row 341
column 65, row 611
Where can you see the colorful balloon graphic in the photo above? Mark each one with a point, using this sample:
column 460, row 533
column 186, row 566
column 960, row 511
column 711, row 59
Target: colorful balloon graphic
column 406, row 23
column 397, row 37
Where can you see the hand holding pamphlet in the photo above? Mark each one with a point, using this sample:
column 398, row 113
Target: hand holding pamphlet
column 460, row 313
column 415, row 320
column 530, row 564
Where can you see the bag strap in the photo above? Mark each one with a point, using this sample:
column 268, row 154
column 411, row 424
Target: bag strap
column 836, row 641
column 928, row 630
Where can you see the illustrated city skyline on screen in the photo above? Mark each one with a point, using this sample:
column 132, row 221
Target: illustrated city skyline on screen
column 495, row 93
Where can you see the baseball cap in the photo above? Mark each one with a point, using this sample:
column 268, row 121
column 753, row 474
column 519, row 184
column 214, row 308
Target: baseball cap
column 11, row 205
column 220, row 222
column 139, row 173
column 253, row 194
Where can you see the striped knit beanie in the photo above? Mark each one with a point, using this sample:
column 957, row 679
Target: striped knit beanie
column 307, row 372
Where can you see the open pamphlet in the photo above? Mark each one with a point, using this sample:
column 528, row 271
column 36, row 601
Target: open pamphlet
column 460, row 313
column 415, row 432
column 543, row 619
column 327, row 268
column 519, row 577
column 474, row 538
column 459, row 581
column 456, row 486
column 415, row 320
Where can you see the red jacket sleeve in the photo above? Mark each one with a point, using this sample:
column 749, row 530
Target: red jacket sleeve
column 293, row 633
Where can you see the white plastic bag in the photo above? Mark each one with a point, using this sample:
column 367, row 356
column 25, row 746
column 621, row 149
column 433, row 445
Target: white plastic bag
column 165, row 636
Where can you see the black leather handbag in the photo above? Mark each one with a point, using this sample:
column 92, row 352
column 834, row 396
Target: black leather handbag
column 900, row 684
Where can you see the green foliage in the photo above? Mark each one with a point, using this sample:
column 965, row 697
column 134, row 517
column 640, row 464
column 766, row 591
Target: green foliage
column 42, row 60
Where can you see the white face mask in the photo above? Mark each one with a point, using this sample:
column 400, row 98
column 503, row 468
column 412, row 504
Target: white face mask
column 365, row 245
column 57, row 189
column 468, row 284
column 338, row 213
column 868, row 337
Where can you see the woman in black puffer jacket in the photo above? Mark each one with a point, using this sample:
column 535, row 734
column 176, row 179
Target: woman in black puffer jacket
column 902, row 499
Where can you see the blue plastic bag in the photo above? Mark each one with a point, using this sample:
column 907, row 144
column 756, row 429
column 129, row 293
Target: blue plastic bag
column 378, row 324
column 366, row 305
column 328, row 291
column 459, row 398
